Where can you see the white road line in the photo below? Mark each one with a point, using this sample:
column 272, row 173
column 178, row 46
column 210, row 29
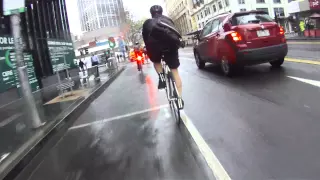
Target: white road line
column 308, row 81
column 216, row 167
column 119, row 117
column 3, row 156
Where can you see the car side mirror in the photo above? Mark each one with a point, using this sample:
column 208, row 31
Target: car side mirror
column 227, row 27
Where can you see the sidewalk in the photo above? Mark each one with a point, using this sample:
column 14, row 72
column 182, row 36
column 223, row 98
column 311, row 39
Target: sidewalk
column 127, row 133
column 18, row 139
column 302, row 38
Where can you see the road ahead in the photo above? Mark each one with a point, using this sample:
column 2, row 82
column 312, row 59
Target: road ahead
column 262, row 124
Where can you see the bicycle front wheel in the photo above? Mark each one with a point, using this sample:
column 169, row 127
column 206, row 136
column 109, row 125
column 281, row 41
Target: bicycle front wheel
column 174, row 100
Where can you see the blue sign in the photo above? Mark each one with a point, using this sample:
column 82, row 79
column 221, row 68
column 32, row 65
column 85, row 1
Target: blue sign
column 102, row 43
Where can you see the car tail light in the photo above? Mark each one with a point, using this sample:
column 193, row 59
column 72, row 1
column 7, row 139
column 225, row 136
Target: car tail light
column 281, row 30
column 236, row 37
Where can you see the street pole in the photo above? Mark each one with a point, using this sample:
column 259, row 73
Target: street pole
column 22, row 71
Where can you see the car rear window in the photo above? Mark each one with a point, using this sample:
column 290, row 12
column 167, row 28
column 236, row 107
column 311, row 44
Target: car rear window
column 252, row 18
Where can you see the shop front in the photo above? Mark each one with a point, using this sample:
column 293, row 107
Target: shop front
column 305, row 17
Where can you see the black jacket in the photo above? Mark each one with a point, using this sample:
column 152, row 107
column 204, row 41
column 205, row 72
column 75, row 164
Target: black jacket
column 161, row 31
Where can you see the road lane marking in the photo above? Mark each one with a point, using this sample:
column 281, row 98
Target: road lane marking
column 119, row 117
column 4, row 156
column 213, row 162
column 302, row 61
column 308, row 81
column 314, row 62
column 302, row 42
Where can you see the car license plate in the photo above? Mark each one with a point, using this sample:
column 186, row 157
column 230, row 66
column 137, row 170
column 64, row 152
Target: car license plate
column 261, row 33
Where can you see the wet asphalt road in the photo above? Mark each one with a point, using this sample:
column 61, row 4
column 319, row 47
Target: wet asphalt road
column 261, row 124
column 304, row 51
column 128, row 133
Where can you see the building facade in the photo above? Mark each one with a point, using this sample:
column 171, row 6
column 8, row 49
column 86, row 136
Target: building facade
column 205, row 9
column 42, row 20
column 305, row 17
column 96, row 14
column 179, row 11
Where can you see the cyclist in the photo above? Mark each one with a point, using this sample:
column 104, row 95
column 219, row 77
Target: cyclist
column 162, row 41
column 137, row 52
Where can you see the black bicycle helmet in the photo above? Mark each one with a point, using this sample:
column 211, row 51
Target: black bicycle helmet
column 156, row 9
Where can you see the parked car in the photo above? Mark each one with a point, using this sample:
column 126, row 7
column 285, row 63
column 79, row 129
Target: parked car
column 240, row 39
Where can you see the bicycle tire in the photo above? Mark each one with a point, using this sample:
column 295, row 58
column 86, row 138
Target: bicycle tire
column 174, row 96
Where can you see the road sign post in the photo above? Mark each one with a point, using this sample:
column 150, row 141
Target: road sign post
column 31, row 107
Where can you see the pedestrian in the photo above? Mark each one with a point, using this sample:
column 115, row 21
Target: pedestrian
column 118, row 57
column 94, row 60
column 81, row 65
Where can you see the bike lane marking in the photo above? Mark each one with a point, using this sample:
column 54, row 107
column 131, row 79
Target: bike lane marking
column 119, row 117
column 213, row 162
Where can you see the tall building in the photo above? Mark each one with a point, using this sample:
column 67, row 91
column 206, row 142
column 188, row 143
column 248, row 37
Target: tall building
column 97, row 14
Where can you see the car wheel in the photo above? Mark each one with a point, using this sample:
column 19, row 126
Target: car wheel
column 277, row 63
column 199, row 62
column 227, row 68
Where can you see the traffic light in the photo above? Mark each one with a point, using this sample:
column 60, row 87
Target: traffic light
column 112, row 42
column 86, row 50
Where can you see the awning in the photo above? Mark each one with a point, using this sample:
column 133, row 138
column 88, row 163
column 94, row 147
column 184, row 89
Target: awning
column 315, row 15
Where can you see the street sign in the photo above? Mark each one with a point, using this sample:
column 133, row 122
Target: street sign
column 8, row 67
column 13, row 7
column 61, row 54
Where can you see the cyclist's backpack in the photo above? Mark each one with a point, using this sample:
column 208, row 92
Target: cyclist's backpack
column 164, row 31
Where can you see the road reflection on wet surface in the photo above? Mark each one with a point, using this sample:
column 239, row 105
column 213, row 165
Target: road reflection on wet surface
column 144, row 146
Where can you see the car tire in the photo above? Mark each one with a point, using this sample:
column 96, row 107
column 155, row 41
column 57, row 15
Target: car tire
column 227, row 68
column 199, row 62
column 277, row 63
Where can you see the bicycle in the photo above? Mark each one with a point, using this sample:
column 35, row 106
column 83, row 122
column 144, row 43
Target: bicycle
column 173, row 96
column 139, row 63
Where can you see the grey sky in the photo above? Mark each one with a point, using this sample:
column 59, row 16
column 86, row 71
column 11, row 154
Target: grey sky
column 139, row 9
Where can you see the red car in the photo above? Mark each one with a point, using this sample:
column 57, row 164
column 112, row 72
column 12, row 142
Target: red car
column 240, row 39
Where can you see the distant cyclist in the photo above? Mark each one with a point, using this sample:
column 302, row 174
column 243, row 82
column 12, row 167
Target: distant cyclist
column 162, row 39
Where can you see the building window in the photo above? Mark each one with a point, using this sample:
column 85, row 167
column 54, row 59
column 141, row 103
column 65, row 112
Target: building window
column 202, row 24
column 199, row 26
column 241, row 1
column 198, row 17
column 243, row 10
column 214, row 8
column 208, row 11
column 263, row 9
column 279, row 11
column 277, row 1
column 220, row 5
column 261, row 1
column 201, row 15
column 226, row 2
